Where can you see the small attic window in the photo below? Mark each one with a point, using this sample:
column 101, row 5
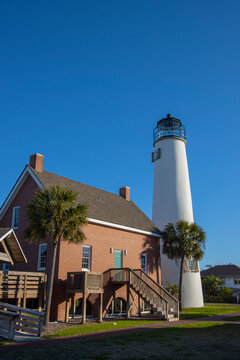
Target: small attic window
column 15, row 217
column 156, row 154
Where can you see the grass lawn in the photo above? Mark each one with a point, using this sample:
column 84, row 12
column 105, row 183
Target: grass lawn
column 213, row 309
column 209, row 310
column 206, row 340
column 86, row 329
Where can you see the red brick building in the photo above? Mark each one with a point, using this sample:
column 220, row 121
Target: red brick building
column 118, row 234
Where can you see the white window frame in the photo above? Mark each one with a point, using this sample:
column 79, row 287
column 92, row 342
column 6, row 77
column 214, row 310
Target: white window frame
column 39, row 256
column 193, row 265
column 145, row 256
column 90, row 260
column 13, row 217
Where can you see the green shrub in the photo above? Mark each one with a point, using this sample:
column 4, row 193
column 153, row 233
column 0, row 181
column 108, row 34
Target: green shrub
column 214, row 293
column 172, row 289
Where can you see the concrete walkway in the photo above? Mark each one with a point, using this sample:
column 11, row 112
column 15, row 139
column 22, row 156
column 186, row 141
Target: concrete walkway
column 109, row 333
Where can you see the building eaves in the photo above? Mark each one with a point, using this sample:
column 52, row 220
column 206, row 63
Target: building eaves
column 222, row 270
column 103, row 205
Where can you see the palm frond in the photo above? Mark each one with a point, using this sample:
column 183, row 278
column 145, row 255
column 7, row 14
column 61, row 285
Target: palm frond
column 54, row 213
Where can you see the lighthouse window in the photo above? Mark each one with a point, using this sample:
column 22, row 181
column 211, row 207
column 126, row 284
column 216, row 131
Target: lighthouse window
column 192, row 265
column 156, row 155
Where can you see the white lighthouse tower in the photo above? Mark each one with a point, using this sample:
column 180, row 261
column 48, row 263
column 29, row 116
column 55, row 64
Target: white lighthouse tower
column 172, row 201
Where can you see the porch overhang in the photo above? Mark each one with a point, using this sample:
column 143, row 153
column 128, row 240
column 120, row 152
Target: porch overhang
column 10, row 249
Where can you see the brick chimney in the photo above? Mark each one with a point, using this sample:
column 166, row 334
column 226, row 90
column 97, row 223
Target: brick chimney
column 36, row 161
column 125, row 192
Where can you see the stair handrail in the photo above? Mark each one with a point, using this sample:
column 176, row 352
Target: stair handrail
column 134, row 271
column 172, row 301
column 159, row 296
column 161, row 287
column 139, row 277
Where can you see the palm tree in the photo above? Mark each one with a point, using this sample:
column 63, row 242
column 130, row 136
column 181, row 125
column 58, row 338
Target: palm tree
column 55, row 215
column 183, row 241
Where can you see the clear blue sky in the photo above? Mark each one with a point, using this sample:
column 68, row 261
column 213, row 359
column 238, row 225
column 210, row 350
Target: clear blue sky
column 84, row 83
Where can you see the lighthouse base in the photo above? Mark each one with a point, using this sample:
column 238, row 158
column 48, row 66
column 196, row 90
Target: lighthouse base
column 192, row 296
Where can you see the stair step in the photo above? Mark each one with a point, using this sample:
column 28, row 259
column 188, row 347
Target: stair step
column 157, row 310
column 150, row 297
column 173, row 319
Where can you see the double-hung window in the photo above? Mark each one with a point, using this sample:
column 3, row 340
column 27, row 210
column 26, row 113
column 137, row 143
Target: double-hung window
column 15, row 217
column 144, row 262
column 42, row 257
column 86, row 257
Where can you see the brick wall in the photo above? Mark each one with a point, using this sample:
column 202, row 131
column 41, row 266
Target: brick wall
column 100, row 238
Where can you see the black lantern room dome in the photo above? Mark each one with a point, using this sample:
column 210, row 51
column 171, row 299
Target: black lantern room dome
column 169, row 127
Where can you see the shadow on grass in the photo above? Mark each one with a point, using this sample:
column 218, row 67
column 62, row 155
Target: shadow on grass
column 205, row 340
column 232, row 318
column 209, row 310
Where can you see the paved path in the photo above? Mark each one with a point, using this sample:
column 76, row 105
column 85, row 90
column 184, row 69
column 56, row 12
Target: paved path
column 108, row 333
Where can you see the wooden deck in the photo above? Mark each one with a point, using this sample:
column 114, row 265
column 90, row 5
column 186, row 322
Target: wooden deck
column 22, row 285
column 84, row 282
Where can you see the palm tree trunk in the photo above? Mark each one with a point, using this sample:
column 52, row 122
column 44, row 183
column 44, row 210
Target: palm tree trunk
column 180, row 285
column 50, row 282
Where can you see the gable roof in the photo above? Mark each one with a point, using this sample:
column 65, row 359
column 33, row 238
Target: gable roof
column 10, row 249
column 222, row 270
column 104, row 207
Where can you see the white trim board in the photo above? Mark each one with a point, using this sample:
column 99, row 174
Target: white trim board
column 122, row 227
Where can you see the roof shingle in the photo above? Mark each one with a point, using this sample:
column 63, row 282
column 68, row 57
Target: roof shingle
column 103, row 205
column 222, row 270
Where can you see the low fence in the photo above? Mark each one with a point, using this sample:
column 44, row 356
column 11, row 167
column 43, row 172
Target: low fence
column 17, row 320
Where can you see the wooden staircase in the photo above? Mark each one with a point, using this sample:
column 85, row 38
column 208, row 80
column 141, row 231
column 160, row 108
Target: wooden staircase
column 159, row 299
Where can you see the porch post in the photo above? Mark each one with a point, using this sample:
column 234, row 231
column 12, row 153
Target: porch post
column 100, row 306
column 139, row 306
column 44, row 291
column 84, row 300
column 67, row 309
column 25, row 291
column 128, row 303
